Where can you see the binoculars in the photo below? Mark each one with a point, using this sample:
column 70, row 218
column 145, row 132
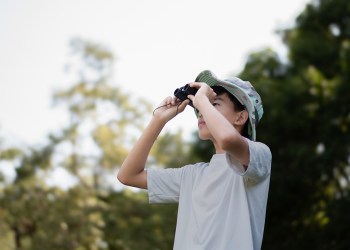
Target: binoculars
column 184, row 91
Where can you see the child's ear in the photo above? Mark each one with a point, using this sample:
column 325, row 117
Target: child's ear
column 242, row 117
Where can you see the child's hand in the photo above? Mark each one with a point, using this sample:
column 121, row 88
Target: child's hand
column 204, row 91
column 169, row 108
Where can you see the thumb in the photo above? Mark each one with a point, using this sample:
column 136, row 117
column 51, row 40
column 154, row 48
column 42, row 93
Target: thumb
column 183, row 105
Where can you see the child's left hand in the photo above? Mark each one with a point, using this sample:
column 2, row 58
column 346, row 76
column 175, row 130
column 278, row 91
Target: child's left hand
column 204, row 91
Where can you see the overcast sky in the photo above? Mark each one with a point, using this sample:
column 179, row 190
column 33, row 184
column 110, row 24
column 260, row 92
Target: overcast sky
column 159, row 44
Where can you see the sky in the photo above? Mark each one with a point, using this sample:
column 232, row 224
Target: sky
column 159, row 45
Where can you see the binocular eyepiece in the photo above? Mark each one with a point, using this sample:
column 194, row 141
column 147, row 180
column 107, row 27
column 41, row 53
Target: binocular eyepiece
column 184, row 91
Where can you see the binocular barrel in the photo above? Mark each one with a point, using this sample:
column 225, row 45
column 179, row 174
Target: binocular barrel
column 184, row 91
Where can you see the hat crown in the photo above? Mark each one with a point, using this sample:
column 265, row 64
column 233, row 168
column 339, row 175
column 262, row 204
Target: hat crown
column 254, row 96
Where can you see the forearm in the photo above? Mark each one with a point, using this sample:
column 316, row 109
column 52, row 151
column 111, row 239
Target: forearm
column 226, row 136
column 220, row 128
column 132, row 171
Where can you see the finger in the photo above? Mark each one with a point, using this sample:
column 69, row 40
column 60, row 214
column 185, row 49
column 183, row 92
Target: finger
column 191, row 97
column 196, row 84
column 183, row 105
column 168, row 101
column 174, row 100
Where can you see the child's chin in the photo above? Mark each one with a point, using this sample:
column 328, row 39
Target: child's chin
column 203, row 136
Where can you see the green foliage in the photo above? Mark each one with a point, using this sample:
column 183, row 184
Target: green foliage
column 51, row 219
column 170, row 151
column 79, row 219
column 102, row 115
column 10, row 153
column 306, row 125
column 90, row 215
column 201, row 151
column 131, row 223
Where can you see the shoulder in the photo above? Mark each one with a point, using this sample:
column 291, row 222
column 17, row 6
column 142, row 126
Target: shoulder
column 260, row 161
column 260, row 155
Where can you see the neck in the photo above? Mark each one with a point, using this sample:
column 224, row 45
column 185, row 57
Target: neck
column 218, row 149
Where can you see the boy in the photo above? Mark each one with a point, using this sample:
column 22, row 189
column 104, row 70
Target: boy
column 222, row 203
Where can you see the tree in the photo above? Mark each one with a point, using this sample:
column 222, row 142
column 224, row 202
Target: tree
column 324, row 28
column 91, row 214
column 100, row 115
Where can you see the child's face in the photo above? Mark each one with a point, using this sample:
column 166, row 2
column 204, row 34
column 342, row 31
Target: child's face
column 226, row 107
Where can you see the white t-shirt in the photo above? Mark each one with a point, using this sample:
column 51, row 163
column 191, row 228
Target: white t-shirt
column 221, row 206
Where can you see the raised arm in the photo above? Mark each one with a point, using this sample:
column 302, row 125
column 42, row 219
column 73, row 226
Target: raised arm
column 132, row 171
column 223, row 129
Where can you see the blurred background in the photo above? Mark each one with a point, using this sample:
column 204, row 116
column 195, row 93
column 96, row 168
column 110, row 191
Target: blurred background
column 79, row 81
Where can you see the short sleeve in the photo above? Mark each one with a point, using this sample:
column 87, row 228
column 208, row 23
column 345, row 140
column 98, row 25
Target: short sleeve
column 259, row 163
column 164, row 185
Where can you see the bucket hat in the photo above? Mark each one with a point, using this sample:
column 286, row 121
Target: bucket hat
column 245, row 94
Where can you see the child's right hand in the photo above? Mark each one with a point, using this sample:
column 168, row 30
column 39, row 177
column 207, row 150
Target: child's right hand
column 169, row 108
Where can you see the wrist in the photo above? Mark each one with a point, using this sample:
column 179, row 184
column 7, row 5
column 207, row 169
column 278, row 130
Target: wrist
column 158, row 122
